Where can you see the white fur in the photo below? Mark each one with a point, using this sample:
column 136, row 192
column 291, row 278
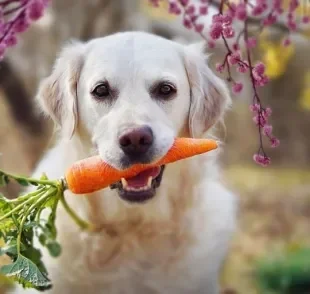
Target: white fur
column 176, row 242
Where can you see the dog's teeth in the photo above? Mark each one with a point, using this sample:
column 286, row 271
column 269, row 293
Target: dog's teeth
column 149, row 182
column 124, row 183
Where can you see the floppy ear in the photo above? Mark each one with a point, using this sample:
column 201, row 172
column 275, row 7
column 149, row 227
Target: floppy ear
column 209, row 94
column 57, row 94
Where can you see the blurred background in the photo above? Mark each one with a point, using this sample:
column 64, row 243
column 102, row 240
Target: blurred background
column 270, row 250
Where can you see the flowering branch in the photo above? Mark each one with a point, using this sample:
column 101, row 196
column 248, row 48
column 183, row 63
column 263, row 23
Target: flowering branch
column 15, row 17
column 230, row 13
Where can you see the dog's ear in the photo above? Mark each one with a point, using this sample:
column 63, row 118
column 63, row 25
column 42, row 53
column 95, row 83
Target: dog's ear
column 57, row 94
column 209, row 94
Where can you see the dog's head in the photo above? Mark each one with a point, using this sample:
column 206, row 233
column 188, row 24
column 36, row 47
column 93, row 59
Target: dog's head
column 128, row 96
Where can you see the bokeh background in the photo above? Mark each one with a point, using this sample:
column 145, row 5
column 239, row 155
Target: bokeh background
column 274, row 216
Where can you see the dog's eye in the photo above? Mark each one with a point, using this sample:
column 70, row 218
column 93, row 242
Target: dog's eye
column 165, row 90
column 102, row 90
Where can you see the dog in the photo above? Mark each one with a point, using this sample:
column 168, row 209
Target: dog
column 168, row 230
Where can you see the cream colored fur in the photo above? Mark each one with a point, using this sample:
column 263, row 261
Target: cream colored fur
column 176, row 242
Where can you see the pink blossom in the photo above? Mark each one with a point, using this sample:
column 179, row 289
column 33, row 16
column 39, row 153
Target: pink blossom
column 190, row 10
column 306, row 19
column 10, row 40
column 274, row 142
column 267, row 130
column 199, row 28
column 184, row 2
column 236, row 47
column 234, row 58
column 217, row 18
column 262, row 160
column 293, row 5
column 266, row 113
column 21, row 24
column 241, row 12
column 255, row 107
column 187, row 23
column 216, row 30
column 257, row 10
column 242, row 67
column 219, row 67
column 237, row 87
column 270, row 20
column 292, row 25
column 35, row 9
column 286, row 42
column 227, row 19
column 174, row 8
column 251, row 42
column 203, row 10
column 259, row 68
column 228, row 32
column 211, row 44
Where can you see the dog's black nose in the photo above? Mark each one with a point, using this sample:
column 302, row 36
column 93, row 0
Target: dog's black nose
column 136, row 141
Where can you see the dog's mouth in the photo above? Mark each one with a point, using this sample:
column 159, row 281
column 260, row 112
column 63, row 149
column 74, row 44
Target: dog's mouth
column 142, row 187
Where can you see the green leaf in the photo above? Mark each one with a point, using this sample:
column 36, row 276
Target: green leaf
column 2, row 181
column 22, row 182
column 25, row 272
column 54, row 248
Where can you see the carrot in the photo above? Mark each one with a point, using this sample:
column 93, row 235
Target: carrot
column 92, row 174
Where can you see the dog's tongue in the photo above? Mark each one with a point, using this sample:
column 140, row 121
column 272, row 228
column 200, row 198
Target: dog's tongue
column 140, row 180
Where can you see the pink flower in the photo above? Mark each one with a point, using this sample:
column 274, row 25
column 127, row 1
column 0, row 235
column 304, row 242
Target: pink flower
column 262, row 160
column 257, row 10
column 228, row 32
column 227, row 19
column 270, row 20
column 199, row 28
column 187, row 23
column 286, row 42
column 242, row 67
column 174, row 8
column 35, row 9
column 267, row 130
column 211, row 44
column 234, row 58
column 255, row 107
column 274, row 142
column 217, row 18
column 292, row 25
column 21, row 24
column 251, row 42
column 184, row 2
column 237, row 87
column 190, row 10
column 236, row 47
column 203, row 10
column 10, row 40
column 240, row 12
column 216, row 30
column 306, row 19
column 219, row 67
column 259, row 68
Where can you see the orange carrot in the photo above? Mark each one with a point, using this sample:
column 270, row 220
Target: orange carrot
column 92, row 174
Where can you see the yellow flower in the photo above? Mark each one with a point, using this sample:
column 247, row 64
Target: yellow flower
column 158, row 13
column 275, row 57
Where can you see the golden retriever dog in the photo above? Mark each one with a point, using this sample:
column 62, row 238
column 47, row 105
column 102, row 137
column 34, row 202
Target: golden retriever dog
column 167, row 230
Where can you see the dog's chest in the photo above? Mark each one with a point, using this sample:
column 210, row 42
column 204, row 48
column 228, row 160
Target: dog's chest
column 136, row 258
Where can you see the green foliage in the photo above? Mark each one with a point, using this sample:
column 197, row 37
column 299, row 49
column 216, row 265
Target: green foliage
column 286, row 274
column 20, row 223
